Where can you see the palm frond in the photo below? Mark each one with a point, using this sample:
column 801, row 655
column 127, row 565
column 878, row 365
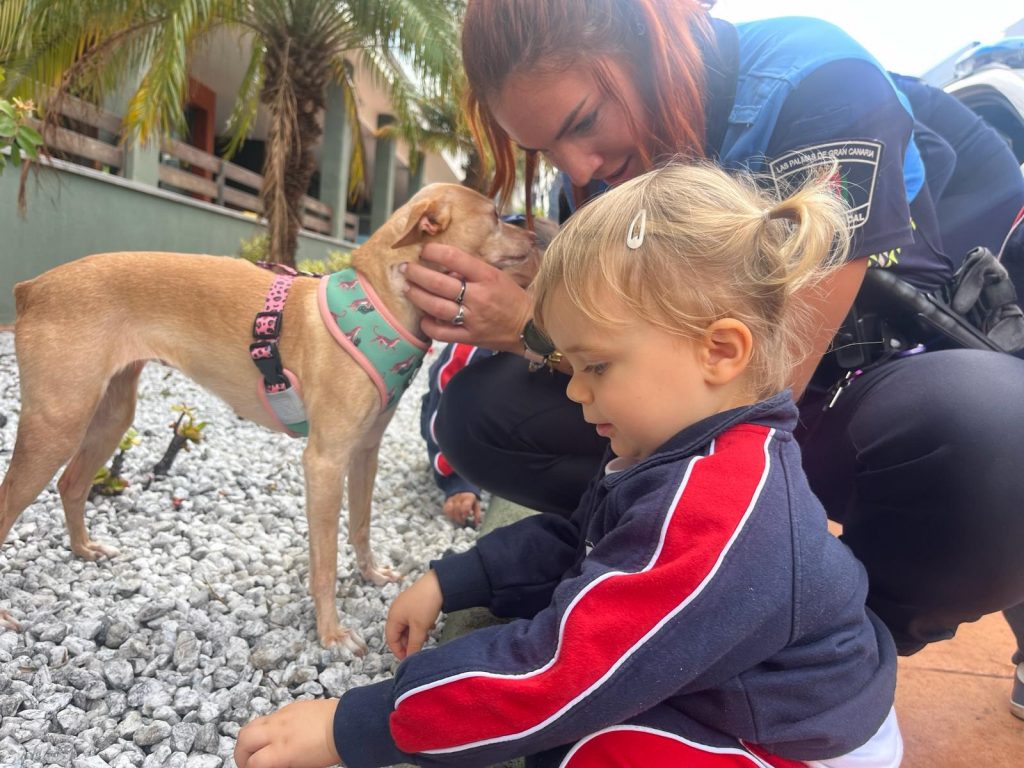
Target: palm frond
column 11, row 27
column 357, row 163
column 247, row 103
column 427, row 39
column 156, row 106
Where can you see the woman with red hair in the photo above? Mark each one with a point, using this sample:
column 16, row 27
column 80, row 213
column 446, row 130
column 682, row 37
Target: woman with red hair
column 917, row 455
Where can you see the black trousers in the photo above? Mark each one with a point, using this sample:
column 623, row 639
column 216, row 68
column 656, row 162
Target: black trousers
column 920, row 459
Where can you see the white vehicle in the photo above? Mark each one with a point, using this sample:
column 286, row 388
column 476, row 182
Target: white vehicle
column 990, row 80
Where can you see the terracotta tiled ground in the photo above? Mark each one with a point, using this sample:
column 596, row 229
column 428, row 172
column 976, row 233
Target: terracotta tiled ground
column 951, row 701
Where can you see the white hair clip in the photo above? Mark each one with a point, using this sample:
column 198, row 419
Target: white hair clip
column 637, row 230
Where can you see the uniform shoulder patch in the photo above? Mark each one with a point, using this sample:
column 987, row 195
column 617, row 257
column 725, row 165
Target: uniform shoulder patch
column 855, row 177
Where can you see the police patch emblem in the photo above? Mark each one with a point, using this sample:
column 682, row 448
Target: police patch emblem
column 854, row 178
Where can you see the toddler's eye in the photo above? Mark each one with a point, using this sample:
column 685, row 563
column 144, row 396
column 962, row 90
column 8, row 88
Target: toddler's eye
column 596, row 368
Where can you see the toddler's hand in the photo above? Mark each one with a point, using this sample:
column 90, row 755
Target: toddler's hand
column 299, row 735
column 463, row 508
column 412, row 615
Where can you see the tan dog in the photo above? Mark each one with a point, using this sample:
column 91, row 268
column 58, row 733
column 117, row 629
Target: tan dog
column 78, row 390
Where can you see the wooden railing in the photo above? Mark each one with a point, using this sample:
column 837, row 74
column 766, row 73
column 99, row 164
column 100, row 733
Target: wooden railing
column 183, row 168
column 103, row 152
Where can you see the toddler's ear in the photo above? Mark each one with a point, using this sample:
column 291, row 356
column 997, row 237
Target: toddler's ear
column 725, row 350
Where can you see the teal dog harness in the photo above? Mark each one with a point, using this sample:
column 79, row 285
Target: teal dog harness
column 359, row 321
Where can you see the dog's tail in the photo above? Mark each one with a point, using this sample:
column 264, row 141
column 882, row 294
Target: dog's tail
column 21, row 296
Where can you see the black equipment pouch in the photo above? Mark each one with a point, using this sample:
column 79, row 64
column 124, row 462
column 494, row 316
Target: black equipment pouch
column 976, row 309
column 983, row 293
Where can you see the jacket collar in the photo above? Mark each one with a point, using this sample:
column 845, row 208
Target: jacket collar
column 777, row 412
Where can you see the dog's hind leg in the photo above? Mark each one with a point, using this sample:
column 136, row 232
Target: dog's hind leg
column 361, row 476
column 44, row 442
column 50, row 428
column 110, row 421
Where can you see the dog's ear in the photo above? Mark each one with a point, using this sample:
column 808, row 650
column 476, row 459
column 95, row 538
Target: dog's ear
column 427, row 217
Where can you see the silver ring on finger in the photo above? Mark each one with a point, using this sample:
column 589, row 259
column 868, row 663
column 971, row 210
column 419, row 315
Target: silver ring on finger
column 460, row 316
column 462, row 293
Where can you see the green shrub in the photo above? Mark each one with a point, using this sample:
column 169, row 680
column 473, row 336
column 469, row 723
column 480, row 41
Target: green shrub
column 335, row 262
column 255, row 248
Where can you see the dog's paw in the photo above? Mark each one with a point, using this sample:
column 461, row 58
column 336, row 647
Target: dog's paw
column 93, row 550
column 6, row 620
column 381, row 575
column 345, row 638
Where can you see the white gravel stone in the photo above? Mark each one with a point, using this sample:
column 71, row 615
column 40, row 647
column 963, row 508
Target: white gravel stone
column 204, row 615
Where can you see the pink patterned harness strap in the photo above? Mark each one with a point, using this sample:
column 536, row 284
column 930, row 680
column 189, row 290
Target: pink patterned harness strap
column 278, row 384
column 267, row 328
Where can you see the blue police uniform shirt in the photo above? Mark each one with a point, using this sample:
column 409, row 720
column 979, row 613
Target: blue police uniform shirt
column 787, row 95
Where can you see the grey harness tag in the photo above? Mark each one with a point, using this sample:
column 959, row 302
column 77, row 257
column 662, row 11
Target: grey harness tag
column 287, row 406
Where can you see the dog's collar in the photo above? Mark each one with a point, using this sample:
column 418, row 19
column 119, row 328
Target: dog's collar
column 359, row 321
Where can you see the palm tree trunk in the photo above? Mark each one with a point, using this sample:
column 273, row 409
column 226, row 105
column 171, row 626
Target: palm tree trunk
column 295, row 94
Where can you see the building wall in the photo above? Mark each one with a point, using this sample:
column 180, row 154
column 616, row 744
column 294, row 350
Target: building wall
column 74, row 211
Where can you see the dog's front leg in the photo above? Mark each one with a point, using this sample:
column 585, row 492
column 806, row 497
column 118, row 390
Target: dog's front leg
column 325, row 474
column 361, row 476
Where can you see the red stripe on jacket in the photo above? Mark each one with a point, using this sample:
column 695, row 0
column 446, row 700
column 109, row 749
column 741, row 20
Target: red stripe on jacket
column 460, row 356
column 651, row 748
column 595, row 636
column 459, row 359
column 441, row 465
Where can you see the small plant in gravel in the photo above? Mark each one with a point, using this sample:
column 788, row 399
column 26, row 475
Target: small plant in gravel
column 186, row 430
column 108, row 480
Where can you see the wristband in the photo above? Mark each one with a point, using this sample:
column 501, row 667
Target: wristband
column 538, row 349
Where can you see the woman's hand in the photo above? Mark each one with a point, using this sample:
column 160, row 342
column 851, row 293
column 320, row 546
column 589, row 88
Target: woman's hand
column 299, row 735
column 495, row 308
column 413, row 615
column 463, row 508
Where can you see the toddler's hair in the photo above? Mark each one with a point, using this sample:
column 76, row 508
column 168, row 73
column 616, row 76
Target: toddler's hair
column 715, row 245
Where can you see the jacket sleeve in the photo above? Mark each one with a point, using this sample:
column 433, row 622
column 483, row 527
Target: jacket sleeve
column 622, row 633
column 452, row 359
column 512, row 570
